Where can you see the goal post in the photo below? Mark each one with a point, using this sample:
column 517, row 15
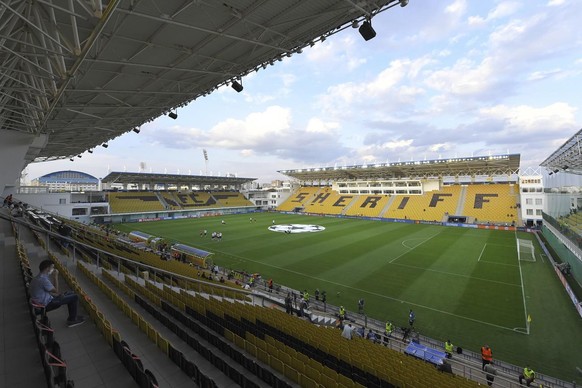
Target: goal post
column 525, row 250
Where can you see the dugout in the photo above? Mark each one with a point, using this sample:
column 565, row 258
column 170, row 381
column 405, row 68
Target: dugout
column 137, row 236
column 186, row 253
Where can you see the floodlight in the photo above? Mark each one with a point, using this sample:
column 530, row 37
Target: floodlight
column 136, row 130
column 403, row 3
column 90, row 151
column 72, row 160
column 104, row 145
column 367, row 31
column 237, row 86
column 173, row 115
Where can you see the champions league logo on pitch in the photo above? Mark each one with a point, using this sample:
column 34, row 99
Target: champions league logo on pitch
column 296, row 228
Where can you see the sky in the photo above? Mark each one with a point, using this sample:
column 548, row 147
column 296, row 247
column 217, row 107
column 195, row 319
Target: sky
column 442, row 78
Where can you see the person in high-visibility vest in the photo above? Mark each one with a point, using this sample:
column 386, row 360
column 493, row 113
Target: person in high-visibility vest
column 342, row 313
column 528, row 374
column 389, row 329
column 449, row 348
column 486, row 355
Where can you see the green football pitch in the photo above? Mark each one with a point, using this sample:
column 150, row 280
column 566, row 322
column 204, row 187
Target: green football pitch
column 467, row 285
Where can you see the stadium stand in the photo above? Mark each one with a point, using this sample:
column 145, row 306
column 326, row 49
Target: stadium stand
column 367, row 206
column 167, row 198
column 147, row 201
column 300, row 198
column 432, row 206
column 328, row 201
column 196, row 199
column 495, row 203
column 230, row 198
column 131, row 202
column 573, row 221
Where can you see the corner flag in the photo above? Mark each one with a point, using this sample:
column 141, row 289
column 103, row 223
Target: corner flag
column 528, row 318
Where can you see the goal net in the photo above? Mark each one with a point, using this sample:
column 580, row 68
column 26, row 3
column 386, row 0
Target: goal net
column 525, row 250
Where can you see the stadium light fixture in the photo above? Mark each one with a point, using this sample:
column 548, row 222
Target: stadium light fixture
column 565, row 167
column 237, row 86
column 550, row 173
column 366, row 30
column 556, row 171
column 136, row 130
column 104, row 145
column 72, row 160
column 173, row 115
column 79, row 156
column 90, row 151
column 403, row 3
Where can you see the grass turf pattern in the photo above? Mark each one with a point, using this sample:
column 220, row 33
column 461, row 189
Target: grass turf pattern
column 464, row 284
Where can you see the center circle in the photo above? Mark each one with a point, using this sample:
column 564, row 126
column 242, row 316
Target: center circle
column 296, row 228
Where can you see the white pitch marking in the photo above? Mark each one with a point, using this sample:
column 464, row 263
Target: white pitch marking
column 416, row 246
column 482, row 250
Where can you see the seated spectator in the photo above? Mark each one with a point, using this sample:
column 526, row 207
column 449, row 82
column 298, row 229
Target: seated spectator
column 7, row 201
column 44, row 293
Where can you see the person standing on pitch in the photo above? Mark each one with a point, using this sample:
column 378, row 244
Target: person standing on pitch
column 411, row 318
column 361, row 305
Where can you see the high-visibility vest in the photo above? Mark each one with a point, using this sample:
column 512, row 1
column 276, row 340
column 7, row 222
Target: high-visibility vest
column 529, row 373
column 389, row 328
column 306, row 296
column 449, row 347
column 342, row 311
column 486, row 353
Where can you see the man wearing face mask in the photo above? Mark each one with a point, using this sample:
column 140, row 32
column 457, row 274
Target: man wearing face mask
column 43, row 292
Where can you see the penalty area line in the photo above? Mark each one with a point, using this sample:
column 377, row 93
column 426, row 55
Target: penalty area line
column 482, row 250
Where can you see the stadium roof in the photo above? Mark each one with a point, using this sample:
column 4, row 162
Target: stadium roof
column 85, row 72
column 496, row 165
column 68, row 176
column 173, row 179
column 567, row 158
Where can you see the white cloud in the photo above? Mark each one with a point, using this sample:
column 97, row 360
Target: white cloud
column 553, row 3
column 337, row 54
column 539, row 75
column 317, row 125
column 502, row 10
column 465, row 77
column 457, row 8
column 392, row 87
column 524, row 121
column 393, row 145
column 268, row 132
